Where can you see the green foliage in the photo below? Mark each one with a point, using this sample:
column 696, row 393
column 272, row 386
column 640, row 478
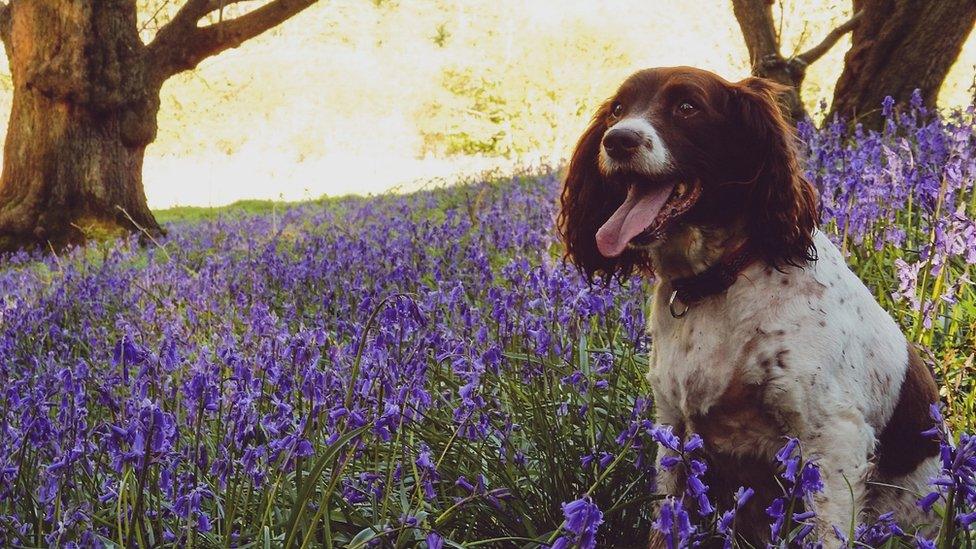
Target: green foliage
column 441, row 36
column 472, row 120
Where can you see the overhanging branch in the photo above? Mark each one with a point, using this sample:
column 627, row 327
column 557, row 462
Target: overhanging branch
column 193, row 11
column 218, row 37
column 828, row 42
column 182, row 44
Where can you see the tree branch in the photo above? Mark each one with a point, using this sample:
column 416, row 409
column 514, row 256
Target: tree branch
column 755, row 18
column 828, row 42
column 218, row 37
column 191, row 12
column 181, row 45
column 194, row 10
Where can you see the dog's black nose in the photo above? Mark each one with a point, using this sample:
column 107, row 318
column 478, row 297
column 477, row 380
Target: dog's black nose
column 620, row 143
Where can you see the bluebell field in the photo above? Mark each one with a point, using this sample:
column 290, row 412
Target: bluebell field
column 424, row 370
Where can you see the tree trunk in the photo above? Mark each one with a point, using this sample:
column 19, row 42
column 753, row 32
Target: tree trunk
column 84, row 109
column 86, row 95
column 900, row 45
column 755, row 19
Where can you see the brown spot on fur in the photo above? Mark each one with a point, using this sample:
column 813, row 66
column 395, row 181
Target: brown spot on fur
column 901, row 446
column 779, row 358
column 750, row 346
column 725, row 474
column 823, row 323
column 739, row 421
column 811, row 288
column 878, row 383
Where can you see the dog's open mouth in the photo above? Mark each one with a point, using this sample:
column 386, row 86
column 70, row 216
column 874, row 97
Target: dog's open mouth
column 645, row 215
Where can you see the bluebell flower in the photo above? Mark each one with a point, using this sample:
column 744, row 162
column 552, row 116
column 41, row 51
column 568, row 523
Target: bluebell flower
column 582, row 519
column 886, row 106
column 786, row 452
column 743, row 495
column 810, row 479
column 777, row 512
column 674, row 523
column 434, row 541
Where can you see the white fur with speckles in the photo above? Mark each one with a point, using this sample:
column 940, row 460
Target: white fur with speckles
column 845, row 361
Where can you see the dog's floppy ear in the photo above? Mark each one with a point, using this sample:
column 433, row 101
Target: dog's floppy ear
column 587, row 202
column 784, row 205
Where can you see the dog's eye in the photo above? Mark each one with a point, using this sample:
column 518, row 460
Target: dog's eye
column 686, row 109
column 616, row 110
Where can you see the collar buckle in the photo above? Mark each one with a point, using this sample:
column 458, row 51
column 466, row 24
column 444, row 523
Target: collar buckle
column 675, row 313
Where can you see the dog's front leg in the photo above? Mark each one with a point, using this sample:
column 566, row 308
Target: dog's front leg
column 840, row 445
column 668, row 480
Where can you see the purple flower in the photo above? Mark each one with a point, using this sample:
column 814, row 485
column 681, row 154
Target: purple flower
column 928, row 500
column 674, row 523
column 743, row 495
column 582, row 519
column 463, row 483
column 966, row 519
column 880, row 532
column 238, row 351
column 561, row 542
column 428, row 472
column 203, row 523
column 434, row 541
column 810, row 480
column 664, row 435
column 777, row 512
column 786, row 452
column 886, row 106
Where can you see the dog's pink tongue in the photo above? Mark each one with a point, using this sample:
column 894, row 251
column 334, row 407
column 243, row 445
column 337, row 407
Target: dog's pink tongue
column 631, row 218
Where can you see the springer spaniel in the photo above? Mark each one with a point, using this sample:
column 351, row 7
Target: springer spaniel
column 759, row 330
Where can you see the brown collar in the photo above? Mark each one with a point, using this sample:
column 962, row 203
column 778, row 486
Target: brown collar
column 715, row 279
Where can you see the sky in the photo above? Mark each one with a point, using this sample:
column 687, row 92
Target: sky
column 351, row 97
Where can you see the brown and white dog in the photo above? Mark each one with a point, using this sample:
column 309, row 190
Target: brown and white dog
column 759, row 330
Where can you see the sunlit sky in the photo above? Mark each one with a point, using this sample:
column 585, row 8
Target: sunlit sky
column 347, row 97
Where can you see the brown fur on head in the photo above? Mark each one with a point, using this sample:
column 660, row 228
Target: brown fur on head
column 784, row 203
column 728, row 139
column 586, row 202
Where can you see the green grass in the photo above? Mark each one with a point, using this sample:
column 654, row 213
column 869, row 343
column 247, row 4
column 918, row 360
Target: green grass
column 195, row 214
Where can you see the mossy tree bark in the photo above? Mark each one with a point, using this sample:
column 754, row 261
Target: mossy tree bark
column 900, row 45
column 86, row 96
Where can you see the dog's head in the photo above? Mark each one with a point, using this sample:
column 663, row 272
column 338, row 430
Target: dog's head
column 681, row 146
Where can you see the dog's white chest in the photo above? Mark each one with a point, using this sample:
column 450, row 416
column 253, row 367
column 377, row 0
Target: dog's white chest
column 691, row 367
